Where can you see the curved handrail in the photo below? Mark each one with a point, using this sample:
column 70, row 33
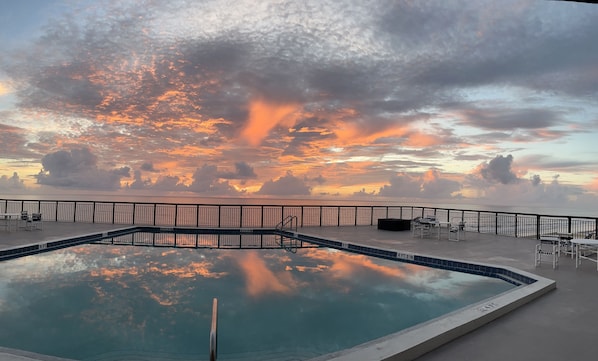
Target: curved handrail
column 292, row 223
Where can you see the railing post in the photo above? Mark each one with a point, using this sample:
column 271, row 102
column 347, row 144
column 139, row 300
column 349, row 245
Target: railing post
column 371, row 215
column 93, row 216
column 302, row 215
column 176, row 215
column 154, row 216
column 75, row 212
column 113, row 211
column 219, row 215
column 240, row 217
column 516, row 218
column 320, row 216
column 537, row 226
column 338, row 216
column 568, row 224
column 134, row 211
column 495, row 223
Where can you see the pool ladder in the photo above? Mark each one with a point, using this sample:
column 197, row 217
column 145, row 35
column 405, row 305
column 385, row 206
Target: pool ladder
column 214, row 331
column 289, row 222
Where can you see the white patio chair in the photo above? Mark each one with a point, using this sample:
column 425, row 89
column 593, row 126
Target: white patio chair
column 548, row 246
column 35, row 221
column 24, row 219
column 457, row 230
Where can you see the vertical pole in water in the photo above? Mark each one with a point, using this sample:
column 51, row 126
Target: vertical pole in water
column 214, row 331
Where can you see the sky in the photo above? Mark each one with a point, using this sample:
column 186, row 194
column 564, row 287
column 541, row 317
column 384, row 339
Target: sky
column 489, row 102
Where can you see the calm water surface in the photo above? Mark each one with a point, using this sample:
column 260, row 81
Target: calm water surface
column 99, row 302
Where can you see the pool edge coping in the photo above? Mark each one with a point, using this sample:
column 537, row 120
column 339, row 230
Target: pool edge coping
column 413, row 342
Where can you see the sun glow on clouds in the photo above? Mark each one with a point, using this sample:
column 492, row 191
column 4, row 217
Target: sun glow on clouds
column 4, row 89
column 264, row 116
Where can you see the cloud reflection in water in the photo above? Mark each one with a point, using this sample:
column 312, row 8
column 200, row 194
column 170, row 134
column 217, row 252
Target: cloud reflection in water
column 96, row 299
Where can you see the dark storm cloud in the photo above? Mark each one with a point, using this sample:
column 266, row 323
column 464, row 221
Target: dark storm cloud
column 78, row 168
column 499, row 170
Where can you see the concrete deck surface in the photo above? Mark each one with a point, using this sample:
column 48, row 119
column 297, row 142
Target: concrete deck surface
column 562, row 325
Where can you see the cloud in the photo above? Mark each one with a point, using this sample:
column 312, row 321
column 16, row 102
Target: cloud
column 139, row 182
column 14, row 140
column 148, row 167
column 498, row 170
column 387, row 89
column 242, row 171
column 78, row 168
column 287, row 185
column 431, row 184
column 14, row 183
column 401, row 185
column 169, row 183
column 206, row 180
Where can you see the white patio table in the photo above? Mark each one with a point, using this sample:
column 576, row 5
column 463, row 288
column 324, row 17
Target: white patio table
column 591, row 244
column 10, row 219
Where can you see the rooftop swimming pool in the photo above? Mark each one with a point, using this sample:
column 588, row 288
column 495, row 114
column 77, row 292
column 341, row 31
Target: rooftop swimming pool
column 107, row 302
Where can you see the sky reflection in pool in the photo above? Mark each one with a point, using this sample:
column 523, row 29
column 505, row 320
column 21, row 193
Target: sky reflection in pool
column 107, row 302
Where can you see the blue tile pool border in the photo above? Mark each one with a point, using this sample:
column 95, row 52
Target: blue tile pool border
column 505, row 274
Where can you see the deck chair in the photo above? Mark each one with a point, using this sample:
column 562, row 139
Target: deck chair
column 420, row 229
column 24, row 219
column 35, row 221
column 548, row 246
column 457, row 230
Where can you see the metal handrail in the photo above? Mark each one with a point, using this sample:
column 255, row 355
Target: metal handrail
column 214, row 331
column 513, row 224
column 293, row 243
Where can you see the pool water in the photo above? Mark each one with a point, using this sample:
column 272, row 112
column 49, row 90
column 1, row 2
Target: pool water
column 100, row 302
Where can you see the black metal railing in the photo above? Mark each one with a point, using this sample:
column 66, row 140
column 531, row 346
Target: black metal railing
column 258, row 216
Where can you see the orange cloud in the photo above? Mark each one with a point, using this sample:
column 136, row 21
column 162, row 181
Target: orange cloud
column 189, row 271
column 264, row 116
column 344, row 265
column 260, row 279
column 422, row 140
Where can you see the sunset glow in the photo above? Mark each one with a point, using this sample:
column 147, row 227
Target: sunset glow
column 459, row 103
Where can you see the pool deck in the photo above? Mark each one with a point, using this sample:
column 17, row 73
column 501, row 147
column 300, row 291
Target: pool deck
column 558, row 326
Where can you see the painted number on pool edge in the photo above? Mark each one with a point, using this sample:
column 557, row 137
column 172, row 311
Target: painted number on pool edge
column 405, row 256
